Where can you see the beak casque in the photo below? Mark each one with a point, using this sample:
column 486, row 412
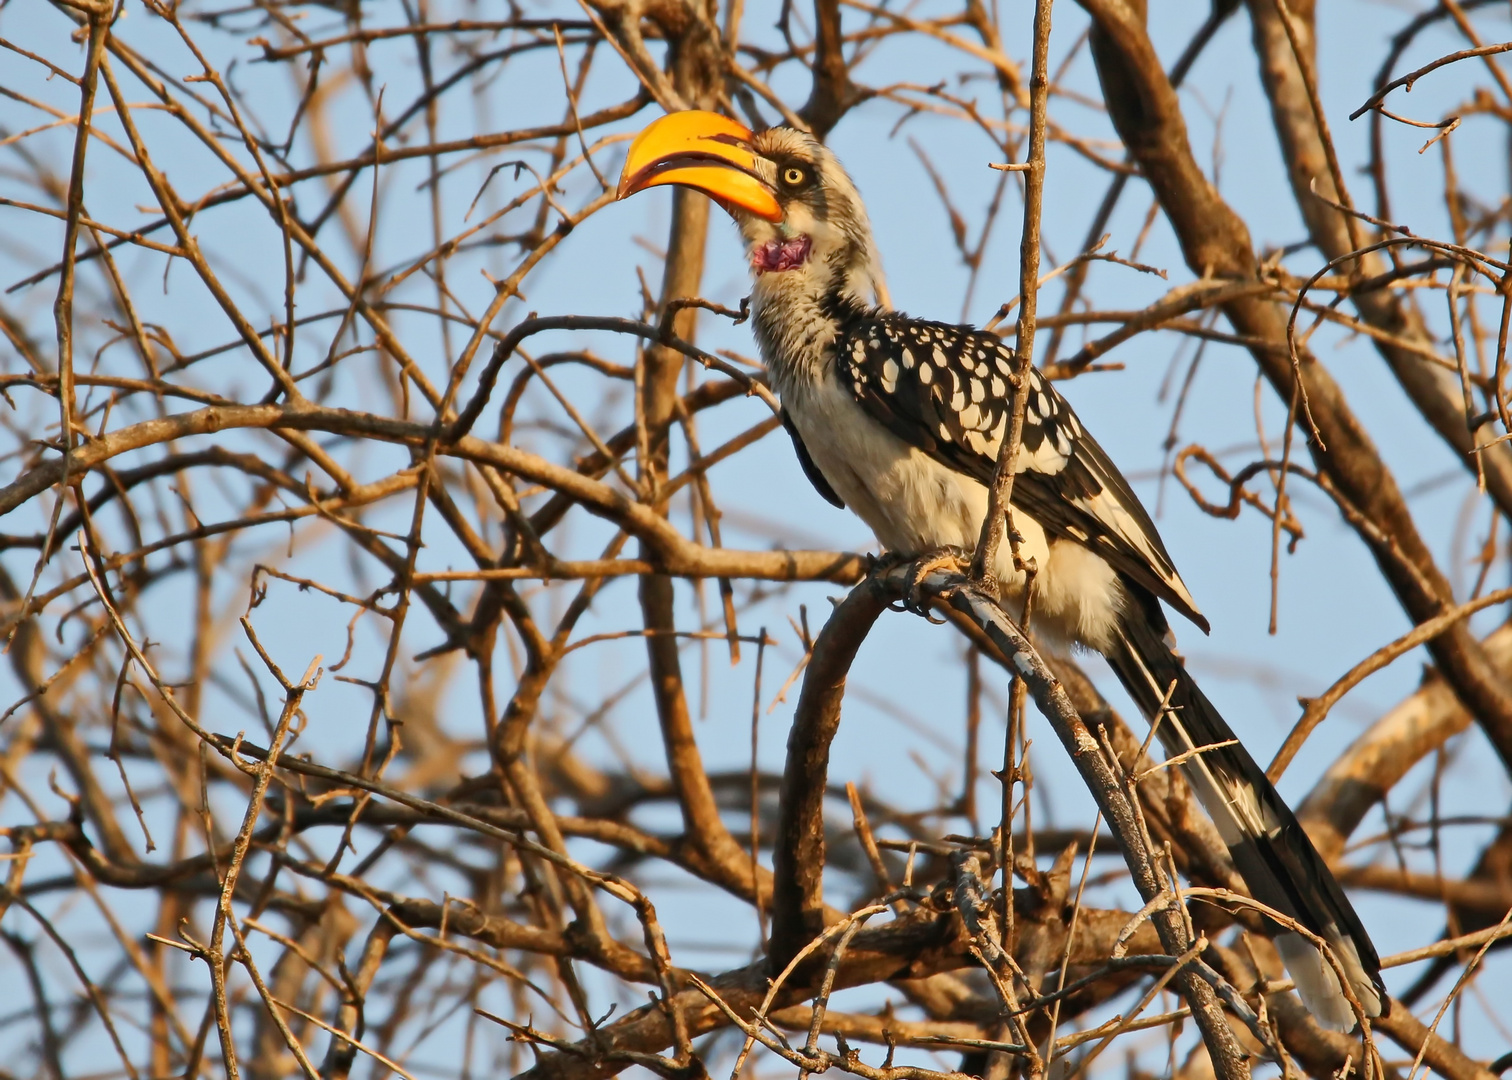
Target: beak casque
column 701, row 150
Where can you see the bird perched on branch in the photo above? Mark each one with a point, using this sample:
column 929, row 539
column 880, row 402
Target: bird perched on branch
column 901, row 420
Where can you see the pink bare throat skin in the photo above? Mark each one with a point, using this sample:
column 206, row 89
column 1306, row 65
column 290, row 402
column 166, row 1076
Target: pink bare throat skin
column 777, row 255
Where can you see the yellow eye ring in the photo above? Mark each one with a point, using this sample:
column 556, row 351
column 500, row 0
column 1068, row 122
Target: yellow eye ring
column 792, row 176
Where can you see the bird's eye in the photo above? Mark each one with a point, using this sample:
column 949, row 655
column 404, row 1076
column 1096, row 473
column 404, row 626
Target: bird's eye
column 794, row 176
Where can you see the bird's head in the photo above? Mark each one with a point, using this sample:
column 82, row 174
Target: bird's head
column 804, row 225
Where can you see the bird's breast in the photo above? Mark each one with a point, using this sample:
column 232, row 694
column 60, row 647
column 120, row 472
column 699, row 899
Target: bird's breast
column 912, row 503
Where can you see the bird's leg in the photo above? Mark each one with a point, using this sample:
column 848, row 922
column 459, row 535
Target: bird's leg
column 884, row 563
column 926, row 563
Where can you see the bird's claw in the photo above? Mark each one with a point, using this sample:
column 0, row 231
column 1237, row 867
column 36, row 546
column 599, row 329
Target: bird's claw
column 952, row 558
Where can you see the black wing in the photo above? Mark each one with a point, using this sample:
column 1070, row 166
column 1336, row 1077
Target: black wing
column 810, row 470
column 948, row 391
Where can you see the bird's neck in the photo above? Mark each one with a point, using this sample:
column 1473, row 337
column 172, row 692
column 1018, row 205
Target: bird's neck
column 798, row 314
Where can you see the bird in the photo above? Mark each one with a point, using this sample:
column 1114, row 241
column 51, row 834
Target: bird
column 901, row 420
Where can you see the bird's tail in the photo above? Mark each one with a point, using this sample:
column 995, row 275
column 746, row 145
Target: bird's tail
column 1269, row 848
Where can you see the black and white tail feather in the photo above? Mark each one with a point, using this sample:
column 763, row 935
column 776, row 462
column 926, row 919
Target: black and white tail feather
column 1269, row 847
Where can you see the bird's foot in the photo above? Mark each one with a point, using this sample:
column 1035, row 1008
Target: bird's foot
column 884, row 562
column 921, row 566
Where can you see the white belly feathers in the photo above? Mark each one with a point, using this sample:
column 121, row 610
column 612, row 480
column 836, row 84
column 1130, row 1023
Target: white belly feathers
column 914, row 504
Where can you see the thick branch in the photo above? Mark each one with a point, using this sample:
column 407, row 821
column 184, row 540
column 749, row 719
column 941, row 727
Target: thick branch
column 798, row 851
column 1387, row 751
column 833, row 93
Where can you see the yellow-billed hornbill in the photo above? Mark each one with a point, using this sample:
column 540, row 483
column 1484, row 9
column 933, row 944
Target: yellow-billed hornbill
column 901, row 420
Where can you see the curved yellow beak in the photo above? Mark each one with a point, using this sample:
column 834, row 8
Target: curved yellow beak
column 701, row 150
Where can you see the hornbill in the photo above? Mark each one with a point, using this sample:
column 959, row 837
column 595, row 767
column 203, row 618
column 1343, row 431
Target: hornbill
column 901, row 420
